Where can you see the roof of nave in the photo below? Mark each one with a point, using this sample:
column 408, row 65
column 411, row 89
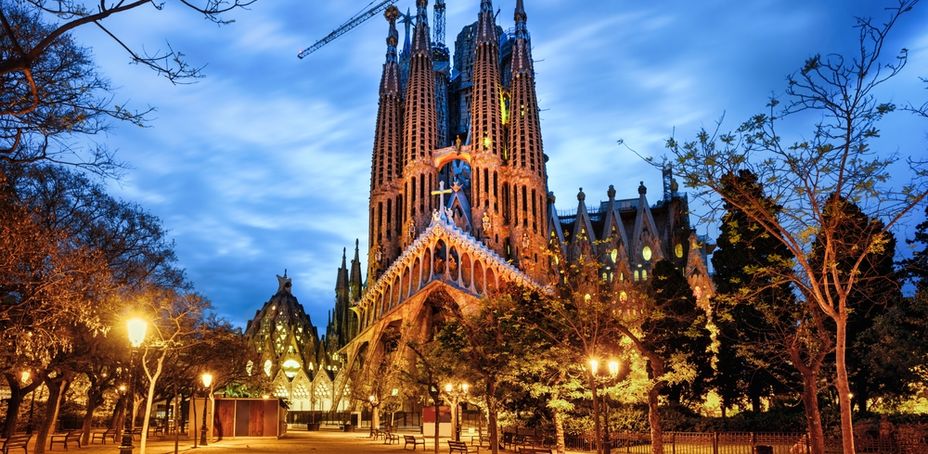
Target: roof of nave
column 442, row 227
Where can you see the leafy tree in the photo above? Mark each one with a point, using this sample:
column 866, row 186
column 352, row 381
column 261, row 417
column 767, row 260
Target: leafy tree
column 672, row 338
column 749, row 304
column 836, row 160
column 915, row 268
column 483, row 343
column 877, row 290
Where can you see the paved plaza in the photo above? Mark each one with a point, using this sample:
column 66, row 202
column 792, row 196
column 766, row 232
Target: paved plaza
column 321, row 442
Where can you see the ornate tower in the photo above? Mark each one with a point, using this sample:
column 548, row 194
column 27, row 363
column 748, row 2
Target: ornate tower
column 420, row 130
column 385, row 226
column 486, row 134
column 527, row 188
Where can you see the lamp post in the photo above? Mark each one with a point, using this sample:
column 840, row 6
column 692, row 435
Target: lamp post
column 393, row 393
column 602, row 432
column 207, row 379
column 455, row 393
column 136, row 328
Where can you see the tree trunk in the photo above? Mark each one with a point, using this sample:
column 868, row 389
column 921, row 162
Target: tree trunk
column 559, row 431
column 94, row 400
column 597, row 428
column 146, row 418
column 492, row 417
column 841, row 384
column 754, row 395
column 56, row 392
column 654, row 419
column 811, row 410
column 12, row 410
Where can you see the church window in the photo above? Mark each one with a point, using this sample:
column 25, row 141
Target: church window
column 637, row 276
column 267, row 367
column 678, row 250
column 614, row 254
column 646, row 253
column 644, row 275
column 487, row 142
column 623, row 297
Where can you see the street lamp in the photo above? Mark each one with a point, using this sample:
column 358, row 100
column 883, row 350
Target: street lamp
column 456, row 393
column 136, row 329
column 207, row 379
column 612, row 372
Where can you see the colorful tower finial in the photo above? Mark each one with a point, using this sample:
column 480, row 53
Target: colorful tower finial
column 393, row 37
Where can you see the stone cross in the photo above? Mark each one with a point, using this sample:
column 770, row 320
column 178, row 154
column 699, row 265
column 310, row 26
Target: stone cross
column 441, row 194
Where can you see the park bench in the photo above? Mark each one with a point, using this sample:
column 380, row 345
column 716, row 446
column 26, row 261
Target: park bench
column 65, row 438
column 376, row 433
column 461, row 447
column 412, row 440
column 390, row 438
column 16, row 441
column 103, row 435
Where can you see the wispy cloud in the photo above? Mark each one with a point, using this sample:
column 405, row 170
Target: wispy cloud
column 264, row 165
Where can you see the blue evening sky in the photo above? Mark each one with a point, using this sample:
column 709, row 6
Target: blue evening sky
column 265, row 163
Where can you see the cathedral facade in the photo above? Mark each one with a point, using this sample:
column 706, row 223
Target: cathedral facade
column 459, row 201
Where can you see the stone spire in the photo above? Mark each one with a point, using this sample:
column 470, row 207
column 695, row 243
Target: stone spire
column 520, row 18
column 386, row 160
column 420, row 132
column 420, row 36
column 487, row 139
column 526, row 156
column 354, row 279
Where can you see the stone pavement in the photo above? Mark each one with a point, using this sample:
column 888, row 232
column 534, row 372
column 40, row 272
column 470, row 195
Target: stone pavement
column 295, row 442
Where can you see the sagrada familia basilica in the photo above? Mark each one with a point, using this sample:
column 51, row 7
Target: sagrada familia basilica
column 459, row 205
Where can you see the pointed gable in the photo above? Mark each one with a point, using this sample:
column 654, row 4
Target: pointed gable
column 582, row 236
column 645, row 239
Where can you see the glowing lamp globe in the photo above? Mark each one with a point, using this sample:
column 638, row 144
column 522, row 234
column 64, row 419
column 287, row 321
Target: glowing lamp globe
column 136, row 329
column 613, row 368
column 207, row 379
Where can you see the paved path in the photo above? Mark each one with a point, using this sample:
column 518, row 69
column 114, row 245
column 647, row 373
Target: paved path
column 295, row 442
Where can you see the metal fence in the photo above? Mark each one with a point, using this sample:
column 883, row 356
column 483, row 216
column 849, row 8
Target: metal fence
column 907, row 440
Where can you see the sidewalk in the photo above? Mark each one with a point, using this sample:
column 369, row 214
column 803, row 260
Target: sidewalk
column 296, row 442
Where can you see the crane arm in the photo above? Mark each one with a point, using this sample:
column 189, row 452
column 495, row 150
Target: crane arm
column 347, row 26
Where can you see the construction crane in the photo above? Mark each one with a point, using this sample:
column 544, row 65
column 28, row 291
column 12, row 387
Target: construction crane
column 358, row 19
column 439, row 11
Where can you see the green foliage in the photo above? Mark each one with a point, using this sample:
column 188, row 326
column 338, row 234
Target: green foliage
column 674, row 328
column 754, row 306
column 915, row 268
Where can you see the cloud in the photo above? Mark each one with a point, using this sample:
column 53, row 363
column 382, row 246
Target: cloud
column 265, row 163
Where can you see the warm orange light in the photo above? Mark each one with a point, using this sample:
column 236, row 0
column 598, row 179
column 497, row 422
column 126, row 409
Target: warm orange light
column 465, row 387
column 207, row 379
column 394, row 392
column 137, row 328
column 448, row 387
column 25, row 376
column 613, row 367
column 594, row 366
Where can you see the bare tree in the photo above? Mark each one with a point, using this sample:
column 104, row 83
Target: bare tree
column 49, row 89
column 807, row 175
